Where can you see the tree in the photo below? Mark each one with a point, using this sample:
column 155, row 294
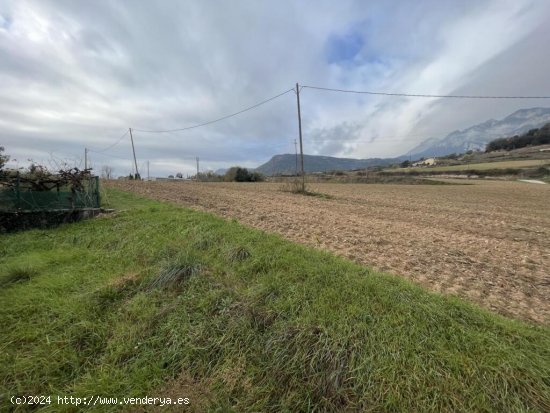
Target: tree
column 179, row 175
column 3, row 158
column 171, row 176
column 239, row 174
column 107, row 172
column 242, row 175
column 405, row 164
column 533, row 137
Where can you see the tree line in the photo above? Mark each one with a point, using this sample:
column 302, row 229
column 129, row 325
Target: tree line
column 233, row 174
column 534, row 137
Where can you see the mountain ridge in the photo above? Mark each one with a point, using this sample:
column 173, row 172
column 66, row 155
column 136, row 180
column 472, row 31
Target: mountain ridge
column 477, row 136
column 286, row 164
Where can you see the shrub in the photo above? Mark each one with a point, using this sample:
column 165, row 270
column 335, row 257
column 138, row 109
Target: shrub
column 3, row 158
column 239, row 174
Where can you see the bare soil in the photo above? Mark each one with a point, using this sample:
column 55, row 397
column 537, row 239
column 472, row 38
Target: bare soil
column 488, row 242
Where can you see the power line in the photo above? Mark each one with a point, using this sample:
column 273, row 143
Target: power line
column 113, row 145
column 424, row 95
column 108, row 155
column 219, row 119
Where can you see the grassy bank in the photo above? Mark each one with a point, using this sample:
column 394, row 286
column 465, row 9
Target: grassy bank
column 162, row 301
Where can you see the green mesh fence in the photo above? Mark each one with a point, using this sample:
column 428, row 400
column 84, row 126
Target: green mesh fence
column 20, row 198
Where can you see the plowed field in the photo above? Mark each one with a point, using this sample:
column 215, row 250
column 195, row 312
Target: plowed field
column 488, row 242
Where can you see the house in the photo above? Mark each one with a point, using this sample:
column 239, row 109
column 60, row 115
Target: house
column 425, row 162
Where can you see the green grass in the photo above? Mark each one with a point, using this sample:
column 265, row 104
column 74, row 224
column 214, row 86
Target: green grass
column 478, row 166
column 154, row 296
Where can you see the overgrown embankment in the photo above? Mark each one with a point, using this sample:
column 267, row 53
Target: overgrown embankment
column 159, row 300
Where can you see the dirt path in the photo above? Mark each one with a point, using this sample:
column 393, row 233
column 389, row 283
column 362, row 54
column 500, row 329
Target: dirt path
column 488, row 242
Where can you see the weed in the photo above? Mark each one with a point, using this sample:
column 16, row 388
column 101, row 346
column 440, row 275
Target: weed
column 238, row 253
column 174, row 275
column 318, row 195
column 18, row 274
column 295, row 186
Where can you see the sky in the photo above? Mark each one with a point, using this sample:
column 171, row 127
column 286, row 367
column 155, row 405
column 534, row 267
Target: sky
column 77, row 74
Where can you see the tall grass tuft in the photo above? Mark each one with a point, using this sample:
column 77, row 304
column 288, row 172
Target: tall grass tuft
column 238, row 253
column 18, row 274
column 174, row 275
column 295, row 186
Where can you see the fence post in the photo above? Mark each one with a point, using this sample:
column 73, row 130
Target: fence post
column 97, row 191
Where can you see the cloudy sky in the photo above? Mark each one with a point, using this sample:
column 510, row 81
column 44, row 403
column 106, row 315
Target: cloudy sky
column 78, row 74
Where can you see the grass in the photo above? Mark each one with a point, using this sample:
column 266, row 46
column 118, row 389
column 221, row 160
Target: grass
column 478, row 166
column 240, row 320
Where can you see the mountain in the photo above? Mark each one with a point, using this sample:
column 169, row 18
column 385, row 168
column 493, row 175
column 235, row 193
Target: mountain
column 477, row 136
column 286, row 164
column 473, row 138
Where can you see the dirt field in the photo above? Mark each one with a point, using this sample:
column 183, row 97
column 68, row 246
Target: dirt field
column 488, row 242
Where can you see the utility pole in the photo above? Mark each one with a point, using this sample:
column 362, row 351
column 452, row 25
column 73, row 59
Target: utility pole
column 296, row 152
column 134, row 151
column 197, row 158
column 148, row 170
column 85, row 158
column 300, row 132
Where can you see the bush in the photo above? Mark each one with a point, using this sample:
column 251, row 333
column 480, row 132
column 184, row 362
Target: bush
column 209, row 176
column 3, row 158
column 238, row 174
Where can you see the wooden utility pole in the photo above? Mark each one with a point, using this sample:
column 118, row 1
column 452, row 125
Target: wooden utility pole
column 85, row 158
column 197, row 158
column 300, row 132
column 296, row 152
column 134, row 151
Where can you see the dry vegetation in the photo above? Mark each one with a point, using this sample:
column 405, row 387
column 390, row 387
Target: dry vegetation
column 488, row 242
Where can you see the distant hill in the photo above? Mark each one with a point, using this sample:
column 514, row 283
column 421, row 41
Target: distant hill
column 286, row 164
column 473, row 138
column 478, row 136
column 534, row 137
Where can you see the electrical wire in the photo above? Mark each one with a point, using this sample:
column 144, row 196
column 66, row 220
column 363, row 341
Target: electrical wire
column 108, row 155
column 113, row 145
column 219, row 119
column 424, row 95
